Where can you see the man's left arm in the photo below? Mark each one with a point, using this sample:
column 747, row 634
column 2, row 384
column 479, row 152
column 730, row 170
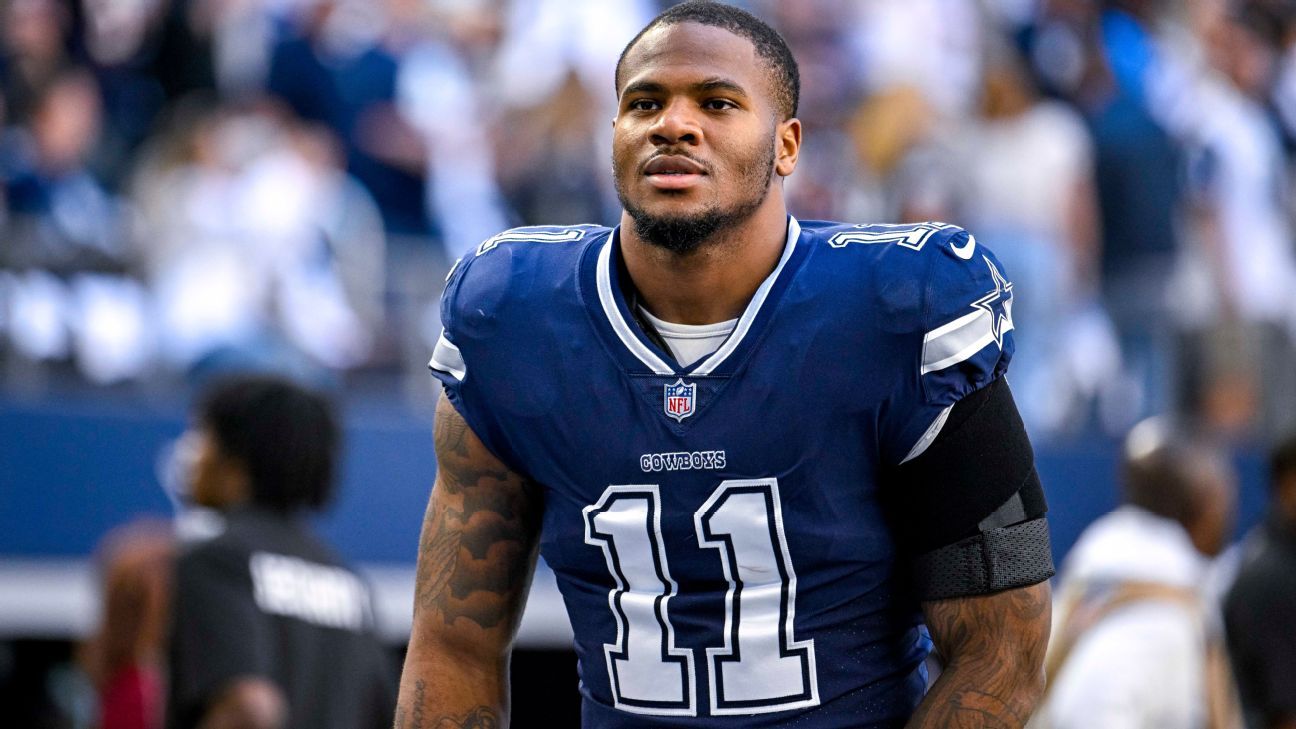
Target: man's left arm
column 969, row 512
column 992, row 647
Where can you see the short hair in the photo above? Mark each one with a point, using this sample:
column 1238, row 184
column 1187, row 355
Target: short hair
column 284, row 435
column 1282, row 460
column 1164, row 467
column 785, row 77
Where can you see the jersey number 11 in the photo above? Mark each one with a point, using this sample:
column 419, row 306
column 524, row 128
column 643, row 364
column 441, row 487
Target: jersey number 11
column 760, row 667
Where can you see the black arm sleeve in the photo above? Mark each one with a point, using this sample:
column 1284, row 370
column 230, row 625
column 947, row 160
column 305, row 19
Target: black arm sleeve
column 969, row 511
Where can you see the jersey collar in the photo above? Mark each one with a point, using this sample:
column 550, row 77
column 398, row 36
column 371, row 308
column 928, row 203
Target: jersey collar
column 613, row 316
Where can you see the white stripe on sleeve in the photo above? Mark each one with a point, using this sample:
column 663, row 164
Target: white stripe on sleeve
column 447, row 358
column 958, row 340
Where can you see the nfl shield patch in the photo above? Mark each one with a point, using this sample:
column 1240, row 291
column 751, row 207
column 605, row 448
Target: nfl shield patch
column 680, row 399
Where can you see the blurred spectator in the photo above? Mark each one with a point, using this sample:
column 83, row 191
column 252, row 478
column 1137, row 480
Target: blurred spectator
column 126, row 657
column 1261, row 606
column 821, row 35
column 1245, row 316
column 554, row 79
column 548, row 157
column 904, row 172
column 73, row 292
column 62, row 218
column 1027, row 190
column 1138, row 170
column 184, row 34
column 934, row 46
column 34, row 48
column 915, row 98
column 143, row 238
column 1102, row 58
column 120, row 42
column 260, row 249
column 331, row 66
column 270, row 629
column 441, row 98
column 1137, row 644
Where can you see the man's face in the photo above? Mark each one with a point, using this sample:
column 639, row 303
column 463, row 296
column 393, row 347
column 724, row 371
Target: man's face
column 215, row 480
column 696, row 136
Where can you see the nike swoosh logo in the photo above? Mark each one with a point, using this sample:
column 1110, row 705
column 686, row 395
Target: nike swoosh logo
column 965, row 252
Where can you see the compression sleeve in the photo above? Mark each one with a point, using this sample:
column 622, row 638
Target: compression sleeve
column 961, row 482
column 970, row 511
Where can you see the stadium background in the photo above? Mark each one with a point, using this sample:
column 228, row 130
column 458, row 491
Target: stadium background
column 190, row 187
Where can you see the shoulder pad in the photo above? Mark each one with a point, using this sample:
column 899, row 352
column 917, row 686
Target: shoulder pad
column 936, row 281
column 496, row 301
column 482, row 279
column 967, row 315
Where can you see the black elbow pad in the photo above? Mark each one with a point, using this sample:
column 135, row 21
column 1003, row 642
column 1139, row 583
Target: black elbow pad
column 969, row 511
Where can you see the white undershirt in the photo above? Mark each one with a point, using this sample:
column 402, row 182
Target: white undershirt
column 689, row 343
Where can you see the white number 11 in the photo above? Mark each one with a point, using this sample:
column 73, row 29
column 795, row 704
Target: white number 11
column 760, row 667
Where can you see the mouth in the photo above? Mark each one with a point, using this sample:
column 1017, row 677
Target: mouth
column 673, row 172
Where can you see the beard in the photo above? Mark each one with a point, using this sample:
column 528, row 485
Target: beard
column 683, row 234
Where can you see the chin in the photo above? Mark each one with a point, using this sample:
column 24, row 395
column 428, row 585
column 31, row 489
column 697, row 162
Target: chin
column 671, row 209
column 677, row 230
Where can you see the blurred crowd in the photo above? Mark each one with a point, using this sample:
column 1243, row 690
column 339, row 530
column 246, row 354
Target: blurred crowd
column 188, row 185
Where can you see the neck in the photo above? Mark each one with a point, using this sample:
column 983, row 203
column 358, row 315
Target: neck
column 714, row 282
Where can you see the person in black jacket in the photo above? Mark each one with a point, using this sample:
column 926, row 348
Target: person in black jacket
column 1260, row 608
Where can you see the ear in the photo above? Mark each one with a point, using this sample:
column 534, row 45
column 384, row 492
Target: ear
column 788, row 138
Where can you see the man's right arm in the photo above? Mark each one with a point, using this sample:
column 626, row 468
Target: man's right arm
column 476, row 556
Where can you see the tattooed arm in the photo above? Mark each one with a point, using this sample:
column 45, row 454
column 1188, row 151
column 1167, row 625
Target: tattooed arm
column 993, row 649
column 476, row 556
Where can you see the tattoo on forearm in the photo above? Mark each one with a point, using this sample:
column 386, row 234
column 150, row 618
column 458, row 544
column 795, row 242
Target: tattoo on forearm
column 995, row 647
column 479, row 717
column 479, row 533
column 420, row 696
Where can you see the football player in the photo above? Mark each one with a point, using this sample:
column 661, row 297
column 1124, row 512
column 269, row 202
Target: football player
column 773, row 463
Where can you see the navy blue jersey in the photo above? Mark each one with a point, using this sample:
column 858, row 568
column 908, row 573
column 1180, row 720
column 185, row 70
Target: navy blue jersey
column 715, row 528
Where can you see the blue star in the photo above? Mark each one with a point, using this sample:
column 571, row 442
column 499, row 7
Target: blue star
column 998, row 304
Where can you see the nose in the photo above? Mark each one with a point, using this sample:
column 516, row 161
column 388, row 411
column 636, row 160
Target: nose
column 676, row 125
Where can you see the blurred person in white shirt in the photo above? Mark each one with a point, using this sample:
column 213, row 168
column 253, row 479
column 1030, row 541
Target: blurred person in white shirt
column 1027, row 188
column 1138, row 643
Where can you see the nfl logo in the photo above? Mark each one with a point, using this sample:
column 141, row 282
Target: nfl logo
column 679, row 400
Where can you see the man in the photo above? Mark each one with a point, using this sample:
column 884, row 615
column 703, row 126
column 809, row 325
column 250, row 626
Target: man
column 748, row 447
column 1261, row 606
column 270, row 630
column 1138, row 644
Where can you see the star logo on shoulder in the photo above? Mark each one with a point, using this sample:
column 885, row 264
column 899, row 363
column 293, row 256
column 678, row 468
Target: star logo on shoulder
column 997, row 303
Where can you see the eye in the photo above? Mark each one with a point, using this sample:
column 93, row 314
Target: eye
column 644, row 105
column 718, row 104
